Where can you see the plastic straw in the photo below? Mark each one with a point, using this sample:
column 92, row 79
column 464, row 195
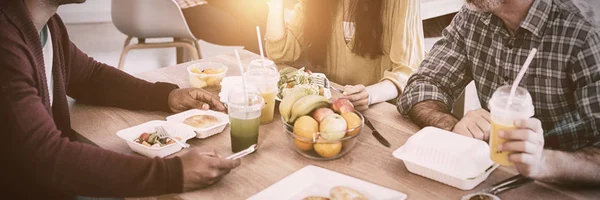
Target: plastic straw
column 237, row 55
column 515, row 84
column 260, row 47
column 262, row 57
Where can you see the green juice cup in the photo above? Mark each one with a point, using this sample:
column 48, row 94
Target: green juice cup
column 244, row 116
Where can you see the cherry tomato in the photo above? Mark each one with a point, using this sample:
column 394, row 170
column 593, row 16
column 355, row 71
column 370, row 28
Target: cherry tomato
column 144, row 136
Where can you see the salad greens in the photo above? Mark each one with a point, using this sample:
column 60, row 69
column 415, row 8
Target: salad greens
column 297, row 79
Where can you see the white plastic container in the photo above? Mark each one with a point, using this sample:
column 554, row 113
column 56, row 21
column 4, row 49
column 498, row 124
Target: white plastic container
column 202, row 80
column 174, row 129
column 202, row 132
column 446, row 157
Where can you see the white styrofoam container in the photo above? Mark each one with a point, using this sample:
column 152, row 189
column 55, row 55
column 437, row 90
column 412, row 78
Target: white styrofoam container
column 446, row 157
column 174, row 129
column 202, row 132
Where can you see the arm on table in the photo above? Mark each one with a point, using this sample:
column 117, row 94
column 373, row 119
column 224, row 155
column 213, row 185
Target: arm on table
column 56, row 163
column 99, row 84
column 284, row 42
column 430, row 92
column 406, row 51
column 432, row 113
column 578, row 168
column 581, row 167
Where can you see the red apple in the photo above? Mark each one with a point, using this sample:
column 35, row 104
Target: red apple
column 342, row 106
column 320, row 113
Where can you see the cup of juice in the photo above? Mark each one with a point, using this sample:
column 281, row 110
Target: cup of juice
column 503, row 117
column 244, row 117
column 265, row 78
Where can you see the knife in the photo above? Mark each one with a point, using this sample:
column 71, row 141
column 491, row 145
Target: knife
column 378, row 136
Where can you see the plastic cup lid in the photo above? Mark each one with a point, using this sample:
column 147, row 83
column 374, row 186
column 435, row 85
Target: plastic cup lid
column 236, row 101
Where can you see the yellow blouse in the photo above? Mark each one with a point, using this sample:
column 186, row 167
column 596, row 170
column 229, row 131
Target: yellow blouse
column 402, row 47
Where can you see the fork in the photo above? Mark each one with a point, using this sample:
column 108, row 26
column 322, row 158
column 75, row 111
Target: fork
column 162, row 133
column 324, row 82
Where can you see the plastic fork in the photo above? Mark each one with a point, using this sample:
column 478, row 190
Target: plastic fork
column 162, row 133
column 493, row 166
column 324, row 82
column 242, row 153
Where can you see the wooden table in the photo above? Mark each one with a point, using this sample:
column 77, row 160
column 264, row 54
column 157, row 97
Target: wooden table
column 276, row 159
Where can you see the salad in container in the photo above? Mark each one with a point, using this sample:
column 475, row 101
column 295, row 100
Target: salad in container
column 293, row 79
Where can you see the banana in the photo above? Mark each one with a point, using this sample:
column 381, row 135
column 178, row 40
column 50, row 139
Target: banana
column 285, row 107
column 307, row 104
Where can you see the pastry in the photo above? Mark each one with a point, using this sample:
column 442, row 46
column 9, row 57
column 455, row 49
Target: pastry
column 344, row 193
column 315, row 198
column 201, row 121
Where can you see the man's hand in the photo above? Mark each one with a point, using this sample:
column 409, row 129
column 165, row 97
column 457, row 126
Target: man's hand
column 202, row 169
column 475, row 124
column 188, row 98
column 527, row 146
column 358, row 95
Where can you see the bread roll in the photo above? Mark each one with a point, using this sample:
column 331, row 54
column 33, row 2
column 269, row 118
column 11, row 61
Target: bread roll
column 201, row 121
column 315, row 198
column 344, row 193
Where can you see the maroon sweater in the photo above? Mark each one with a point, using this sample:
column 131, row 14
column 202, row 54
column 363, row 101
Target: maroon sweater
column 38, row 155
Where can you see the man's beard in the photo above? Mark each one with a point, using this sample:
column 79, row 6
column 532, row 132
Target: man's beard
column 63, row 2
column 483, row 5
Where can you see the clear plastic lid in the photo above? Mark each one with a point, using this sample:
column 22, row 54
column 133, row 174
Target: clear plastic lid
column 238, row 102
column 265, row 78
column 268, row 72
column 259, row 63
column 520, row 108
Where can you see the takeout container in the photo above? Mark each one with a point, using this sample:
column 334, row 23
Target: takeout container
column 306, row 146
column 174, row 129
column 202, row 80
column 202, row 132
column 446, row 157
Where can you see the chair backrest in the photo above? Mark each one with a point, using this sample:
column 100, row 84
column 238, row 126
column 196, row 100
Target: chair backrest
column 150, row 18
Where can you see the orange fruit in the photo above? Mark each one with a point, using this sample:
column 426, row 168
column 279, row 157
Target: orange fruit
column 306, row 127
column 328, row 150
column 304, row 146
column 352, row 122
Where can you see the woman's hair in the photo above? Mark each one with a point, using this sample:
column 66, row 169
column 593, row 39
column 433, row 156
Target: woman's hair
column 318, row 26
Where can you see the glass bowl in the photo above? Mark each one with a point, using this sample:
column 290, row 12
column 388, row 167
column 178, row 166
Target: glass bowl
column 206, row 74
column 320, row 148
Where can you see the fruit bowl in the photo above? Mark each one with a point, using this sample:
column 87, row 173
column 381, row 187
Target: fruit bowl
column 206, row 74
column 320, row 148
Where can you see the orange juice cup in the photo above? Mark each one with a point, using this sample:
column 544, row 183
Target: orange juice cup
column 265, row 79
column 504, row 116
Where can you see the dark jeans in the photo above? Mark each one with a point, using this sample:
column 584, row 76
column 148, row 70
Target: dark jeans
column 228, row 22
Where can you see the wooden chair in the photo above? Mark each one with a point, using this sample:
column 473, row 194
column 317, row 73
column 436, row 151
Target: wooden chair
column 144, row 19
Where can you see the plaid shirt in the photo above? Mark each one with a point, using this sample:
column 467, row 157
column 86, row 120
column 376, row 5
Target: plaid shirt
column 563, row 79
column 190, row 3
